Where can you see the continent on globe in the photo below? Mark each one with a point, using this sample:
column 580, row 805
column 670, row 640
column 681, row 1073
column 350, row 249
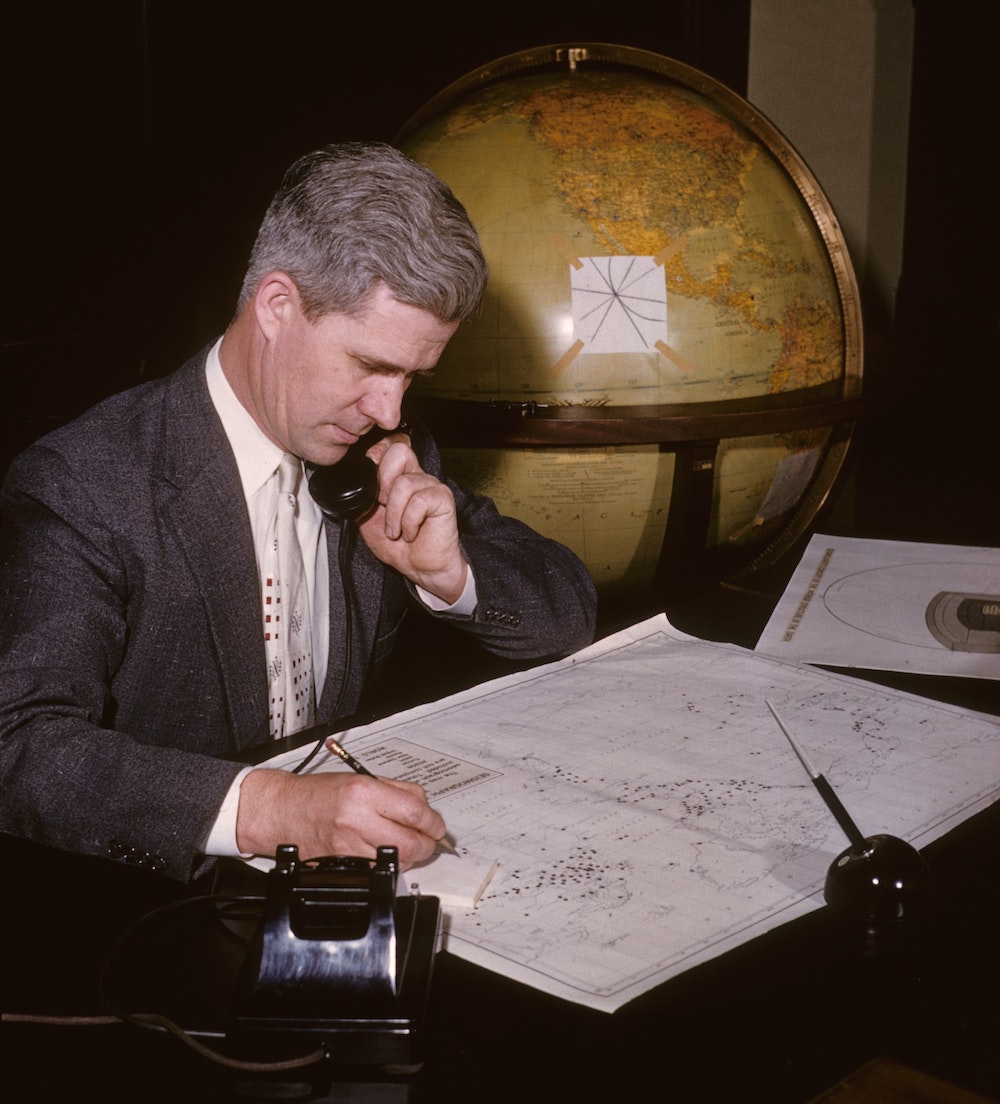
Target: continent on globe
column 657, row 252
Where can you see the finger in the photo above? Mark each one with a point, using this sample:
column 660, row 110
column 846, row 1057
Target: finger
column 404, row 494
column 384, row 812
column 412, row 846
column 402, row 784
column 394, row 456
column 408, row 807
column 433, row 500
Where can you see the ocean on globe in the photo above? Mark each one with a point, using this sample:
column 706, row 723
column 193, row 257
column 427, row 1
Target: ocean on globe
column 665, row 275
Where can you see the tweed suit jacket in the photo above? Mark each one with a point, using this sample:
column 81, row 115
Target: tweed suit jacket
column 132, row 659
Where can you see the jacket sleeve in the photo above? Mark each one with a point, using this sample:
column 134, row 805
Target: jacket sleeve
column 535, row 598
column 78, row 769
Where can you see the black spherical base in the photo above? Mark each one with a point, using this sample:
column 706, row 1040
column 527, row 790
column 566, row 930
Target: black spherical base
column 882, row 881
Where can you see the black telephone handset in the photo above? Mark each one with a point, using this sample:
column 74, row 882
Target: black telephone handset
column 348, row 490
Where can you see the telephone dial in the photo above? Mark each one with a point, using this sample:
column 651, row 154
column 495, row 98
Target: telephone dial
column 348, row 490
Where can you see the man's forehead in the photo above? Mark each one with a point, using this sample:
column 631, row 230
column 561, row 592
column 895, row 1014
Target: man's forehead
column 394, row 336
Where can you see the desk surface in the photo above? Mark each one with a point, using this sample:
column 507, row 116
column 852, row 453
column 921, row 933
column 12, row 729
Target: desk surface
column 783, row 1018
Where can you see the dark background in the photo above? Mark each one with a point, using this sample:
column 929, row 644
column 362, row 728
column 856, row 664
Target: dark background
column 142, row 140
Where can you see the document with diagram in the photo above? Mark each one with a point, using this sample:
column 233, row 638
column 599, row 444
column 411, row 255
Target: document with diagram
column 930, row 609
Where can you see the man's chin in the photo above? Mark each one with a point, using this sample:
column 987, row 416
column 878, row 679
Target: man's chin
column 326, row 448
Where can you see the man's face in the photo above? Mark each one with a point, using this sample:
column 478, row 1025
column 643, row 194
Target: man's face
column 319, row 386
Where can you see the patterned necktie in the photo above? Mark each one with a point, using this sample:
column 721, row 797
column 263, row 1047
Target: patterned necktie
column 287, row 631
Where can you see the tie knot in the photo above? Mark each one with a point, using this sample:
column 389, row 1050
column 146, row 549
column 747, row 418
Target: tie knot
column 289, row 471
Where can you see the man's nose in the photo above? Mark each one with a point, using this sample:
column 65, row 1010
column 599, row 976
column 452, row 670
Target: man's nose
column 384, row 402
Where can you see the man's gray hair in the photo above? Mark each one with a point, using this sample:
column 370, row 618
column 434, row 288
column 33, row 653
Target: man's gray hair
column 347, row 217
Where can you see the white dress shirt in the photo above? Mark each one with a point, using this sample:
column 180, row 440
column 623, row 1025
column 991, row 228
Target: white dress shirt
column 257, row 457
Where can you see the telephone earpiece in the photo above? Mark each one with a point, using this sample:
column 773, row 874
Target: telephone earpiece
column 348, row 490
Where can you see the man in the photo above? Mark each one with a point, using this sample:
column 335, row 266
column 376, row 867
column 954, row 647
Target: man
column 135, row 545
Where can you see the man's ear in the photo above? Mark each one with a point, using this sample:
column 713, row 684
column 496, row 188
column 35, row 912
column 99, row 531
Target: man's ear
column 275, row 302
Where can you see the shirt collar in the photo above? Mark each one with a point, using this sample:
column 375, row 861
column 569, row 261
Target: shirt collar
column 256, row 456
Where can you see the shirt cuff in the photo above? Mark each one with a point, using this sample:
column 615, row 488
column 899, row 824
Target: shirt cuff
column 221, row 842
column 464, row 606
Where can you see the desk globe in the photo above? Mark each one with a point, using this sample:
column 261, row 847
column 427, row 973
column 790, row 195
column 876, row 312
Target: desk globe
column 667, row 366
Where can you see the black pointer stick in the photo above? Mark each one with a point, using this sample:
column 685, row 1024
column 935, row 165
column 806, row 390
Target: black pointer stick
column 824, row 787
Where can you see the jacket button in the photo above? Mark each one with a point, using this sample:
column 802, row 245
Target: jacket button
column 134, row 856
column 501, row 617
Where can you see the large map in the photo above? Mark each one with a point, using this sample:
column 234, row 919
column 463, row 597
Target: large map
column 647, row 812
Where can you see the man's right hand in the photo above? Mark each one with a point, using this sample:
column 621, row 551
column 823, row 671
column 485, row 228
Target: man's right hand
column 335, row 814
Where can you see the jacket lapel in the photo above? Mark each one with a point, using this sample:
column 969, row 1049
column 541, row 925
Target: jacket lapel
column 203, row 502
